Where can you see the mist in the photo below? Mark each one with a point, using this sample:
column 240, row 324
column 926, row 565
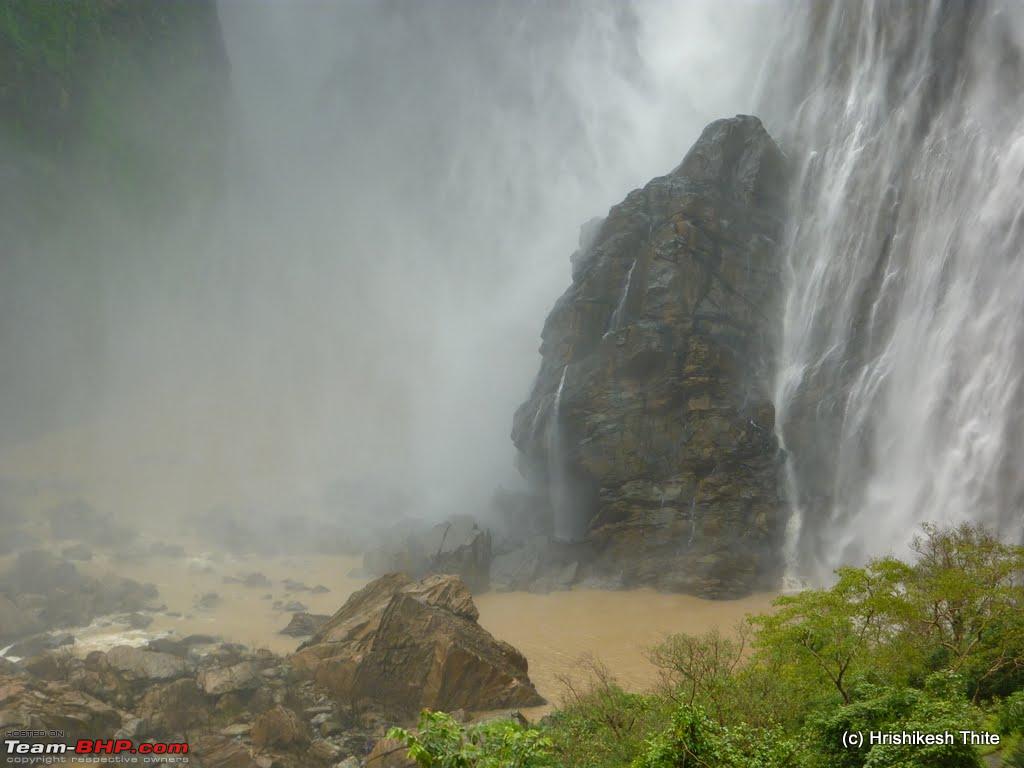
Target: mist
column 339, row 317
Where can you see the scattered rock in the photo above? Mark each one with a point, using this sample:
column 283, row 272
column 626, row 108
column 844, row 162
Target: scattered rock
column 256, row 580
column 401, row 645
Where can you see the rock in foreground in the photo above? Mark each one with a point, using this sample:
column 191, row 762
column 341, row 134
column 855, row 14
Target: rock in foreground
column 398, row 646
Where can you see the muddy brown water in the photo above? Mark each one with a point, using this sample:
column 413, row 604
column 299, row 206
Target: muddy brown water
column 555, row 631
column 125, row 470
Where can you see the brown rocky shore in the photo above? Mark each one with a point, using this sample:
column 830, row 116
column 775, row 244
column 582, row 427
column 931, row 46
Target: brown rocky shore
column 396, row 646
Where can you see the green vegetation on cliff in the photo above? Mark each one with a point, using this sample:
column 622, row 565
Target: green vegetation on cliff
column 124, row 99
column 933, row 647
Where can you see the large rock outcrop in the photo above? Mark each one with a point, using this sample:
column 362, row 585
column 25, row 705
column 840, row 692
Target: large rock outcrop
column 458, row 546
column 399, row 645
column 650, row 424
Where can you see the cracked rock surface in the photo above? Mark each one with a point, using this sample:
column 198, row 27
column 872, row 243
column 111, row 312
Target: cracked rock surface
column 660, row 446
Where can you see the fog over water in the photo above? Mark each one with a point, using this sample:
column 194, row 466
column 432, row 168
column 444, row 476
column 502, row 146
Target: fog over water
column 351, row 325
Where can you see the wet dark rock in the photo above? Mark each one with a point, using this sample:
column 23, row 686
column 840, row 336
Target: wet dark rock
column 48, row 592
column 16, row 621
column 207, row 602
column 40, row 643
column 649, row 430
column 304, row 624
column 256, row 580
column 458, row 547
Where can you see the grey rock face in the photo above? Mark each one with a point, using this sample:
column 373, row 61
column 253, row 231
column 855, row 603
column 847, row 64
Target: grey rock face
column 458, row 547
column 650, row 424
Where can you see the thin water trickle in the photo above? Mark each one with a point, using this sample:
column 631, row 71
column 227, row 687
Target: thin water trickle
column 618, row 315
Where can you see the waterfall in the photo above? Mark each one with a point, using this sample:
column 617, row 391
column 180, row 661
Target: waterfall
column 898, row 380
column 559, row 491
column 620, row 309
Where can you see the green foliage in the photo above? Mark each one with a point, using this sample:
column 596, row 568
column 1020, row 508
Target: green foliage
column 693, row 740
column 891, row 648
column 441, row 742
column 127, row 92
column 602, row 726
column 940, row 709
column 1011, row 714
column 827, row 637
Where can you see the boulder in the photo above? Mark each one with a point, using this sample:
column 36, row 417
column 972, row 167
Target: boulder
column 237, row 677
column 32, row 704
column 16, row 621
column 146, row 665
column 174, row 707
column 33, row 646
column 304, row 624
column 51, row 592
column 279, row 727
column 217, row 751
column 458, row 547
column 649, row 428
column 401, row 645
column 389, row 753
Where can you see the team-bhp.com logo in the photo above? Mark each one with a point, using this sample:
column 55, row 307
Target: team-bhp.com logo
column 19, row 751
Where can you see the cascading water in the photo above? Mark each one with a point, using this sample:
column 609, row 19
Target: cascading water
column 559, row 491
column 620, row 309
column 898, row 391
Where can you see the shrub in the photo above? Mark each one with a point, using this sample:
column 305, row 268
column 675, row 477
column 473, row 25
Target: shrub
column 441, row 742
column 694, row 740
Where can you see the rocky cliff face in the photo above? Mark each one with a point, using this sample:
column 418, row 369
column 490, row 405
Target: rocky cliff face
column 650, row 425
